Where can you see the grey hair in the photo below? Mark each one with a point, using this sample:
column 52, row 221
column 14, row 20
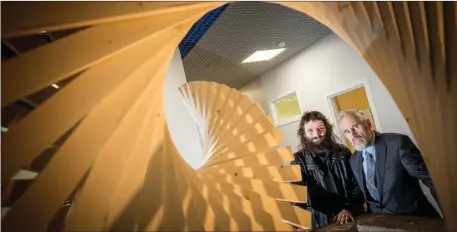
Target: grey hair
column 358, row 115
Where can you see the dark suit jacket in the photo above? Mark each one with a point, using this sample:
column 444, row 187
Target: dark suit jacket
column 399, row 165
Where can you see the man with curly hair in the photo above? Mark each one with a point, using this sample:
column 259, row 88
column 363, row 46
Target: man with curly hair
column 333, row 193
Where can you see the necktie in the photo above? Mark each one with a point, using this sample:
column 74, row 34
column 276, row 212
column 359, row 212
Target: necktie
column 371, row 176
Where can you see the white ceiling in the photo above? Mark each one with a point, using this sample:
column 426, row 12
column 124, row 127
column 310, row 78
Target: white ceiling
column 242, row 29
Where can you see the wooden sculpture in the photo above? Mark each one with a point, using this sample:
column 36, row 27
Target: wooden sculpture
column 119, row 163
column 242, row 159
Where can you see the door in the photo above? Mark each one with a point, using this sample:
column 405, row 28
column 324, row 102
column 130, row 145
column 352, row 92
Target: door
column 355, row 99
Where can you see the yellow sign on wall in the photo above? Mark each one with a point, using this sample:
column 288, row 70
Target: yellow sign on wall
column 287, row 107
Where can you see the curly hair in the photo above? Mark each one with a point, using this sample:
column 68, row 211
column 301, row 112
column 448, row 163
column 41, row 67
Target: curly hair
column 330, row 139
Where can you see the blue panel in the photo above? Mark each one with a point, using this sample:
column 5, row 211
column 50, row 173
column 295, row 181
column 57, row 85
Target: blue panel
column 199, row 29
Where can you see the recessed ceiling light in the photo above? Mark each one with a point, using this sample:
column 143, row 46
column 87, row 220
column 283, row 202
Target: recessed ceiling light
column 55, row 86
column 263, row 55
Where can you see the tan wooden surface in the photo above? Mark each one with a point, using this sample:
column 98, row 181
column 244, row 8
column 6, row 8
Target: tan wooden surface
column 410, row 45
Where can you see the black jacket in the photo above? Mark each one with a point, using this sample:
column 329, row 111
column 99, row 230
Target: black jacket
column 331, row 185
column 399, row 165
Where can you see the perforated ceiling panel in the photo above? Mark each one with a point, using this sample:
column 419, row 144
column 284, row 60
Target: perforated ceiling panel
column 242, row 29
column 199, row 29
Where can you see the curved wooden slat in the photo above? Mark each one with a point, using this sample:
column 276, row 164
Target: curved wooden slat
column 106, row 118
column 410, row 46
column 192, row 211
column 136, row 168
column 214, row 205
column 114, row 154
column 93, row 46
column 264, row 185
column 420, row 97
column 264, row 192
column 85, row 92
column 273, row 157
column 173, row 218
column 26, row 18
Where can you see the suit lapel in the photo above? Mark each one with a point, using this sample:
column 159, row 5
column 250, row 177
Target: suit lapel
column 360, row 174
column 381, row 153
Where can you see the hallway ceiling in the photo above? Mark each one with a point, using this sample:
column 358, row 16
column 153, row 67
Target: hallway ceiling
column 241, row 29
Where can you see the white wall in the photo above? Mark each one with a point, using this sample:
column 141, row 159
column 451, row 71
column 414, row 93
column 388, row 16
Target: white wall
column 391, row 120
column 183, row 129
column 328, row 67
column 257, row 93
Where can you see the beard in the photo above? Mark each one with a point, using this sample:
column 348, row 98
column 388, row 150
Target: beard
column 361, row 143
column 318, row 144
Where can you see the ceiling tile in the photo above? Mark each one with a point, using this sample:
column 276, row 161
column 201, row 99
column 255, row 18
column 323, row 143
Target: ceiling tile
column 242, row 29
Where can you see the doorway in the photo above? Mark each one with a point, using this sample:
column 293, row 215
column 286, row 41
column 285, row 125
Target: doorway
column 354, row 98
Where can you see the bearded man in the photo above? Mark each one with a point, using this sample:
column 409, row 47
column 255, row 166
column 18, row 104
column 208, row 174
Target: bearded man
column 387, row 167
column 333, row 193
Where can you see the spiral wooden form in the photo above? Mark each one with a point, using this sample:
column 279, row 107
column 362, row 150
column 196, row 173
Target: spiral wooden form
column 119, row 162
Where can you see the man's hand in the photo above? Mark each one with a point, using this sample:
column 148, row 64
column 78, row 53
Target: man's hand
column 300, row 230
column 343, row 217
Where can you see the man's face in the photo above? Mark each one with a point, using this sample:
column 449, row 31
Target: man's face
column 358, row 133
column 315, row 131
